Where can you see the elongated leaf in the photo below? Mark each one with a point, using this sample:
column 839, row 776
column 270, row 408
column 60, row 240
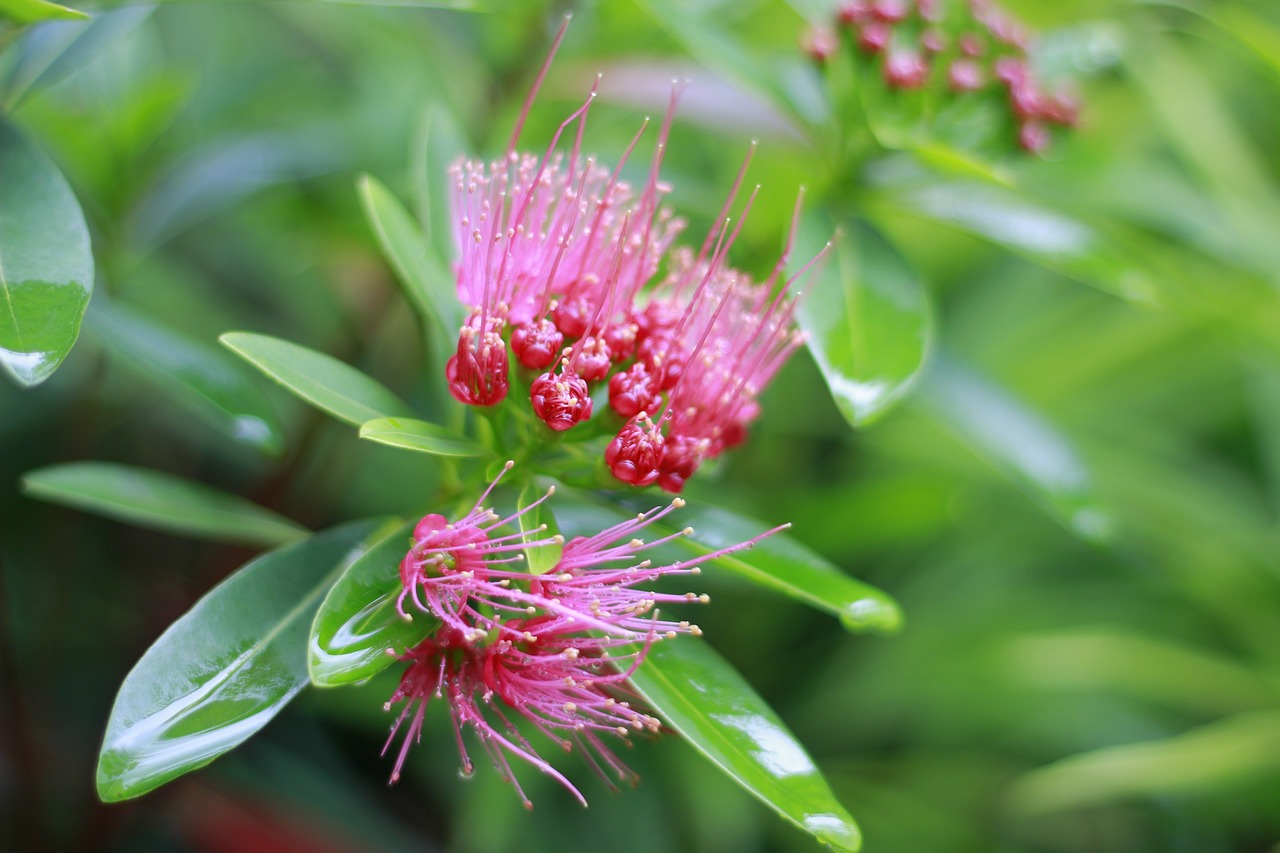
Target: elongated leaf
column 426, row 278
column 48, row 54
column 223, row 670
column 1003, row 430
column 439, row 142
column 710, row 704
column 30, row 11
column 358, row 622
column 1235, row 751
column 868, row 325
column 422, row 436
column 321, row 380
column 46, row 266
column 212, row 383
column 160, row 501
column 541, row 523
column 779, row 563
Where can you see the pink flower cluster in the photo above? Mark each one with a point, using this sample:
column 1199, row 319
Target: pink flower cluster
column 571, row 271
column 554, row 650
column 967, row 46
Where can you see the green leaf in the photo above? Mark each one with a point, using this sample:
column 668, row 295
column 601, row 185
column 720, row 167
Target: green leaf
column 868, row 325
column 426, row 278
column 439, row 143
column 709, row 703
column 160, row 501
column 357, row 621
column 31, row 11
column 423, row 436
column 224, row 669
column 1001, row 429
column 321, row 380
column 212, row 383
column 46, row 266
column 1208, row 760
column 779, row 562
column 542, row 524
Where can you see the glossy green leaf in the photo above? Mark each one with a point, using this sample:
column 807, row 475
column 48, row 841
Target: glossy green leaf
column 211, row 382
column 708, row 702
column 323, row 381
column 224, row 669
column 31, row 11
column 422, row 436
column 46, row 266
column 426, row 278
column 779, row 562
column 1235, row 751
column 1001, row 429
column 160, row 501
column 867, row 323
column 357, row 621
column 541, row 523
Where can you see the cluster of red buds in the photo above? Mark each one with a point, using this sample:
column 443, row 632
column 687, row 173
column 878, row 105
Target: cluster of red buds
column 962, row 47
column 553, row 649
column 571, row 271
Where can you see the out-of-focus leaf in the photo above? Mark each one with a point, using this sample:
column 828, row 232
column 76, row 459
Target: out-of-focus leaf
column 46, row 265
column 1235, row 751
column 1048, row 237
column 439, row 143
column 1004, row 431
column 708, row 702
column 868, row 325
column 225, row 171
column 422, row 436
column 358, row 622
column 224, row 669
column 777, row 562
column 425, row 277
column 540, row 522
column 1128, row 664
column 209, row 380
column 51, row 52
column 321, row 380
column 160, row 501
column 30, row 11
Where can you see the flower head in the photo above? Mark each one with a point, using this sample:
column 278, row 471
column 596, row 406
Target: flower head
column 554, row 649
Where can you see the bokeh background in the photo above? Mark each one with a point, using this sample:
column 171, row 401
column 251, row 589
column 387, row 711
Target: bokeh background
column 1077, row 506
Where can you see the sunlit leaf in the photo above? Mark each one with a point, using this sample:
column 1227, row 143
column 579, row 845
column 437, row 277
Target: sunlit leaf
column 540, row 523
column 1003, row 430
column 867, row 325
column 422, row 436
column 210, row 381
column 161, row 501
column 46, row 266
column 30, row 11
column 323, row 381
column 1235, row 751
column 708, row 702
column 358, row 621
column 779, row 562
column 223, row 670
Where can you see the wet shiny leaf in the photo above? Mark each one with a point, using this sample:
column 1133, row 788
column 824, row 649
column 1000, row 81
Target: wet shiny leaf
column 323, row 381
column 160, row 501
column 225, row 668
column 708, row 702
column 46, row 266
column 358, row 622
column 868, row 324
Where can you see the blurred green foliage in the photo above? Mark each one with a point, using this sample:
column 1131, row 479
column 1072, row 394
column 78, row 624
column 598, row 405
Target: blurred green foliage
column 1077, row 506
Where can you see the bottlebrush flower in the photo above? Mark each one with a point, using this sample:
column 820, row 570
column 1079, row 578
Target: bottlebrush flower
column 961, row 48
column 554, row 649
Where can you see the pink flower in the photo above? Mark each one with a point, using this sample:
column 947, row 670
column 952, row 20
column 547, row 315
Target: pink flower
column 554, row 650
